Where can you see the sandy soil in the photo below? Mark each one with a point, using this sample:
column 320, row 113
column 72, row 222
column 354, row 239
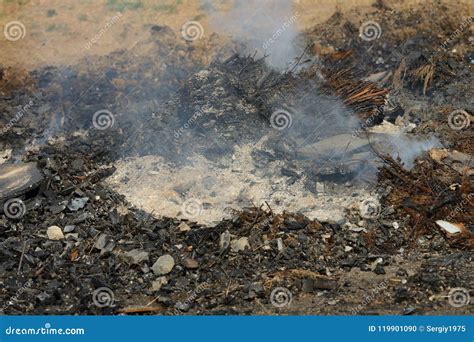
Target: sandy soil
column 56, row 32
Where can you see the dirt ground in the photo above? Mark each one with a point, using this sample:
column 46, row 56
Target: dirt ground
column 120, row 251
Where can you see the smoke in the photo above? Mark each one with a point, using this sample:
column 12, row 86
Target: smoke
column 408, row 148
column 266, row 27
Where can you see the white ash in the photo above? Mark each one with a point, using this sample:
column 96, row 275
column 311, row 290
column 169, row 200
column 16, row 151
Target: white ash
column 207, row 192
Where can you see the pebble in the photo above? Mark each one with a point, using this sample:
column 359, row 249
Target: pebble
column 158, row 283
column 240, row 244
column 102, row 241
column 136, row 256
column 55, row 233
column 77, row 203
column 69, row 229
column 182, row 306
column 224, row 240
column 280, row 244
column 163, row 265
column 256, row 289
column 347, row 248
column 379, row 269
column 183, row 227
column 74, row 236
column 190, row 263
column 266, row 243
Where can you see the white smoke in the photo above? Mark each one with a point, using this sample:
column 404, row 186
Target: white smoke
column 266, row 27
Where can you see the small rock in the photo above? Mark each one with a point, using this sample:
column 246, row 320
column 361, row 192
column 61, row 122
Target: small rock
column 158, row 283
column 280, row 244
column 375, row 263
column 409, row 310
column 101, row 241
column 190, row 263
column 379, row 269
column 240, row 244
column 74, row 236
column 69, row 229
column 347, row 248
column 55, row 233
column 266, row 243
column 122, row 210
column 256, row 290
column 332, row 302
column 182, row 306
column 224, row 240
column 105, row 244
column 77, row 203
column 357, row 229
column 163, row 265
column 136, row 256
column 56, row 209
column 183, row 227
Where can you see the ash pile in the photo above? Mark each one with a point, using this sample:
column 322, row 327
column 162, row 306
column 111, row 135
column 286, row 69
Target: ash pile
column 239, row 134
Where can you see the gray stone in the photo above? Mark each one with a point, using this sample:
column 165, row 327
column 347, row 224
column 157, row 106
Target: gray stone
column 224, row 240
column 163, row 265
column 77, row 203
column 16, row 179
column 158, row 283
column 136, row 256
column 183, row 306
column 256, row 290
column 69, row 229
column 101, row 241
column 337, row 144
column 104, row 243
